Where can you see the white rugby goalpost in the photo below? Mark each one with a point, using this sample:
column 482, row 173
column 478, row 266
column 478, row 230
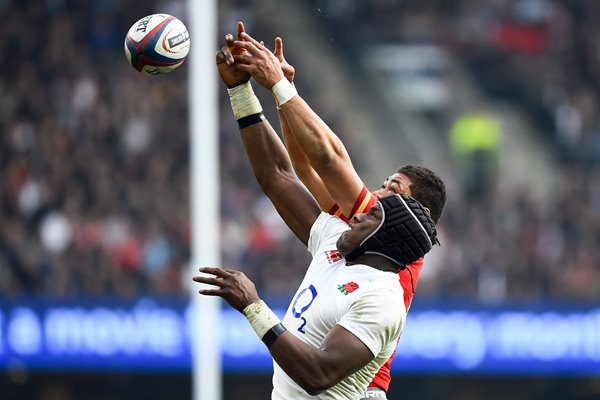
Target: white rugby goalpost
column 205, row 193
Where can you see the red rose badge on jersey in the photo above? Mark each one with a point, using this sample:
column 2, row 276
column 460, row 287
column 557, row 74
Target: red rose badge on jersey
column 348, row 288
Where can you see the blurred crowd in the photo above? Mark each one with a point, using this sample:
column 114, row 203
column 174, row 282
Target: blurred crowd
column 94, row 181
column 542, row 54
column 94, row 158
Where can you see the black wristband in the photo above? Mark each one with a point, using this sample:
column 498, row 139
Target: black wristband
column 272, row 334
column 252, row 119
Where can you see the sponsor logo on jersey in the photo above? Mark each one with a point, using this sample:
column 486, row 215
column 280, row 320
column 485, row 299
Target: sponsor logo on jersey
column 374, row 394
column 333, row 256
column 348, row 288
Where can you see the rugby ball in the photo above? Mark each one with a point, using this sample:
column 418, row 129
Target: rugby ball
column 157, row 44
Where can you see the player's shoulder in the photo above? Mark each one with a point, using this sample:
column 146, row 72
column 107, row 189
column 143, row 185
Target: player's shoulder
column 325, row 231
column 327, row 222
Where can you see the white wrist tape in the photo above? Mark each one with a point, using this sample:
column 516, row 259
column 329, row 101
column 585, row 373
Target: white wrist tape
column 243, row 101
column 261, row 317
column 283, row 91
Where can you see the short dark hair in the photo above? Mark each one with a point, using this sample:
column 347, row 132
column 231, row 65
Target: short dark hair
column 427, row 188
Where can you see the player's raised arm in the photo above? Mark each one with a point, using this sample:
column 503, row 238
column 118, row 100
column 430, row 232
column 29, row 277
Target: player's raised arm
column 303, row 167
column 268, row 157
column 300, row 160
column 326, row 153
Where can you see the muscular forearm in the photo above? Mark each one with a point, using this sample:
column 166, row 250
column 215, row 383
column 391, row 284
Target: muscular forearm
column 261, row 141
column 299, row 159
column 303, row 168
column 273, row 170
column 308, row 366
column 316, row 139
column 325, row 151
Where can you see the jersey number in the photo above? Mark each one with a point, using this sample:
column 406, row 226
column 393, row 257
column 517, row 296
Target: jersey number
column 302, row 302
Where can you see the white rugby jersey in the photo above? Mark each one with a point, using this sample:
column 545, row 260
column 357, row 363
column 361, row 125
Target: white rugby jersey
column 365, row 301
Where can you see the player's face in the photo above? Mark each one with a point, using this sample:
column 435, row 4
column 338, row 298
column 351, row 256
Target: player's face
column 361, row 226
column 395, row 184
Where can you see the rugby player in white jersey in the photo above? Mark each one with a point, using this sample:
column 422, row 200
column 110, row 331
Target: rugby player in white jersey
column 347, row 315
column 324, row 166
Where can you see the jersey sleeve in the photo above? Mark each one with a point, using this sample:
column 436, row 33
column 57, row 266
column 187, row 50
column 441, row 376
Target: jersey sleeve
column 336, row 211
column 375, row 319
column 363, row 203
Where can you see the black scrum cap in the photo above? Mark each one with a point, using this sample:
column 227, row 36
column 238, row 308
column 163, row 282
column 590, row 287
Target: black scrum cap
column 405, row 234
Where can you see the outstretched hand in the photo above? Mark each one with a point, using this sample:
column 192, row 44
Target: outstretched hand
column 228, row 71
column 233, row 286
column 259, row 61
column 234, row 73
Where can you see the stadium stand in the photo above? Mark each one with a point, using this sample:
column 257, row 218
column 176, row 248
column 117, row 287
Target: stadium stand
column 94, row 157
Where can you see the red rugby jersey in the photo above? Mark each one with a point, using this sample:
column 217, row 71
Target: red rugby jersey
column 408, row 277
